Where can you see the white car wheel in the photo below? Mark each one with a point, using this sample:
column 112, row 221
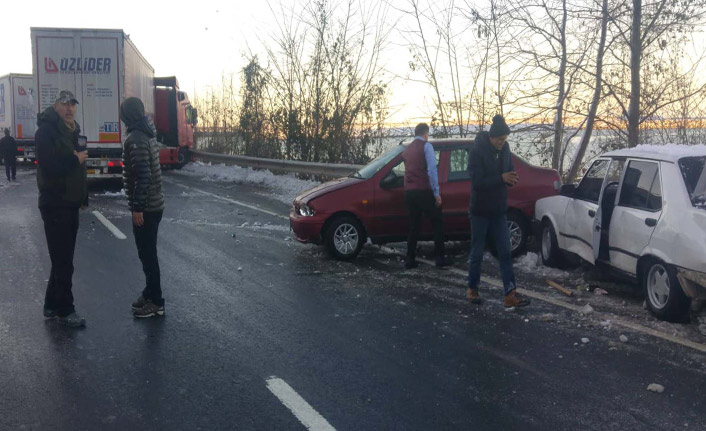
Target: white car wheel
column 664, row 295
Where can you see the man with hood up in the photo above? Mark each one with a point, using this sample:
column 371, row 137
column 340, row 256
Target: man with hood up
column 61, row 179
column 492, row 172
column 142, row 179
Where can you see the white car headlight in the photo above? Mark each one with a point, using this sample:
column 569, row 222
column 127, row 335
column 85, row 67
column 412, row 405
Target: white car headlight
column 305, row 211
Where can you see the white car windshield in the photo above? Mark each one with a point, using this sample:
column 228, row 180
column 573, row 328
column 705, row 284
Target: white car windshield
column 692, row 169
column 374, row 167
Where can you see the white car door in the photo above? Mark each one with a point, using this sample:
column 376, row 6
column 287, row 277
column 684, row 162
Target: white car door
column 583, row 210
column 636, row 213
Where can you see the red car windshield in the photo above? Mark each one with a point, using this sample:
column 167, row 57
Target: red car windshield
column 372, row 168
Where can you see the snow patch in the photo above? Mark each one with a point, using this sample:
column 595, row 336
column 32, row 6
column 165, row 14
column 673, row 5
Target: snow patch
column 284, row 187
column 532, row 262
column 655, row 387
column 674, row 150
column 121, row 193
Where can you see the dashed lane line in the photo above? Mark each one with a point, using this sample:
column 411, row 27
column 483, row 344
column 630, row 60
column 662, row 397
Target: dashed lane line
column 111, row 227
column 306, row 414
column 224, row 199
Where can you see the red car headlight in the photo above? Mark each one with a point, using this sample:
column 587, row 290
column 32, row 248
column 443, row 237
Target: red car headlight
column 304, row 210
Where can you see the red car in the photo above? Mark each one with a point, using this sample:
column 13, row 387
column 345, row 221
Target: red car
column 369, row 203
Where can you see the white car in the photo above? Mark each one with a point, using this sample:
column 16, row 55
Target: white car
column 642, row 211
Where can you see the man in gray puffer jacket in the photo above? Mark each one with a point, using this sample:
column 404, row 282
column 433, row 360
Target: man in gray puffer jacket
column 142, row 179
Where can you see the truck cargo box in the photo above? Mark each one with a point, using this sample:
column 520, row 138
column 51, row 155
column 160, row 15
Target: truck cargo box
column 17, row 110
column 102, row 68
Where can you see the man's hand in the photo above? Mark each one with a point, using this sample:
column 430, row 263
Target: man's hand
column 438, row 201
column 82, row 156
column 511, row 178
column 138, row 219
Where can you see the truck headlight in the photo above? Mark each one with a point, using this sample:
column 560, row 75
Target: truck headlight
column 305, row 211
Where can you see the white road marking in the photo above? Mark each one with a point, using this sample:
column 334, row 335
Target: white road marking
column 497, row 284
column 306, row 414
column 229, row 200
column 111, row 227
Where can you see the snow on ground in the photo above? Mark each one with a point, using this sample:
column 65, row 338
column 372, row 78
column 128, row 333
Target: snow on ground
column 121, row 193
column 284, row 187
column 532, row 262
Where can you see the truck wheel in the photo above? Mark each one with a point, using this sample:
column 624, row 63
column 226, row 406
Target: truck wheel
column 344, row 237
column 665, row 298
column 183, row 157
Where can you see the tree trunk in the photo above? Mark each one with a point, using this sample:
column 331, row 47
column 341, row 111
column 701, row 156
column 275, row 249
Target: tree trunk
column 586, row 138
column 635, row 57
column 559, row 115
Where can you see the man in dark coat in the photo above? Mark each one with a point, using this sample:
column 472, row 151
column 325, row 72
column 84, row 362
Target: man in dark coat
column 61, row 179
column 8, row 152
column 492, row 172
column 142, row 179
column 422, row 195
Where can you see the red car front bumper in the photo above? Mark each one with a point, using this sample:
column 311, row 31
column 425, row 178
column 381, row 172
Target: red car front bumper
column 306, row 229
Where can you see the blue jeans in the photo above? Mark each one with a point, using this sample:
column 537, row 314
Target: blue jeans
column 497, row 228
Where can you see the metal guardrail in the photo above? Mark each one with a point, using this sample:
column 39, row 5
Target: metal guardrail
column 328, row 169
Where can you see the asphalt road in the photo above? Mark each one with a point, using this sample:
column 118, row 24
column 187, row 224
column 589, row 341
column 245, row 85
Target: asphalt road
column 365, row 345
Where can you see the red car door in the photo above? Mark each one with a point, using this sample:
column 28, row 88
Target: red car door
column 391, row 216
column 455, row 190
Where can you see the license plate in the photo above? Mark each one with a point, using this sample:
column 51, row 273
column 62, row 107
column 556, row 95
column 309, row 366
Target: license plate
column 90, row 171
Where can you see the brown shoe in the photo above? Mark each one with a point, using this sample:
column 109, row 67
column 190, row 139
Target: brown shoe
column 512, row 299
column 473, row 296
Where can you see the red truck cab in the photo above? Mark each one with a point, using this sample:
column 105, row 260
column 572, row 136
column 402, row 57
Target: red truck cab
column 174, row 119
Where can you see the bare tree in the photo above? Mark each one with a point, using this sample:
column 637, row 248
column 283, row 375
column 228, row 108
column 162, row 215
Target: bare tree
column 325, row 75
column 595, row 100
column 645, row 31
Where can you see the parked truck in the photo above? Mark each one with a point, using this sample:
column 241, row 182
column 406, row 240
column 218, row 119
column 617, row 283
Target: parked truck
column 103, row 68
column 17, row 105
column 174, row 118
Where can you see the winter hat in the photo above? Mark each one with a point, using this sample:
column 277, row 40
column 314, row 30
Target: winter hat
column 132, row 111
column 499, row 127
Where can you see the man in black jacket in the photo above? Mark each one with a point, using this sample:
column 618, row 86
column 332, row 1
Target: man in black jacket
column 8, row 152
column 142, row 178
column 492, row 172
column 61, row 179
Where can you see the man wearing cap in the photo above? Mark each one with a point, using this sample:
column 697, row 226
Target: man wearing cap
column 8, row 152
column 61, row 179
column 492, row 172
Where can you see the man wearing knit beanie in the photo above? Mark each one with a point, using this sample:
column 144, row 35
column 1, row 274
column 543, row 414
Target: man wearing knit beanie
column 492, row 172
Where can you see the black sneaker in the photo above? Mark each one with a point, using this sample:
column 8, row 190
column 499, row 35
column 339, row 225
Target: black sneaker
column 141, row 301
column 49, row 313
column 149, row 309
column 410, row 263
column 73, row 320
